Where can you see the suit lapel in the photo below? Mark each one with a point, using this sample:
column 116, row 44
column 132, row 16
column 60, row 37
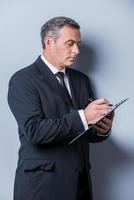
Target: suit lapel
column 74, row 87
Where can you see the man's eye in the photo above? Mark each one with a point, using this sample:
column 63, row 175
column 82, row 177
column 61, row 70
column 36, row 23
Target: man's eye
column 70, row 44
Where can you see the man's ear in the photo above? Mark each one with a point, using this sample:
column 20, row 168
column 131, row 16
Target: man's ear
column 49, row 42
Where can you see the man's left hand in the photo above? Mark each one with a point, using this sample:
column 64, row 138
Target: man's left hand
column 104, row 126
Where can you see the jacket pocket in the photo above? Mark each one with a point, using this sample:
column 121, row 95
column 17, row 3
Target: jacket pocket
column 33, row 165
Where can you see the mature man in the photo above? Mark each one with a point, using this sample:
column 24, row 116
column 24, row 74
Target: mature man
column 50, row 102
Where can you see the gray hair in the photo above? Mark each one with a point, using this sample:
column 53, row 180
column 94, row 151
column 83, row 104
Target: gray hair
column 51, row 27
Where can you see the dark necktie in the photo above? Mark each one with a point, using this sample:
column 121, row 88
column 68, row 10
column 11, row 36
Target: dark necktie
column 60, row 75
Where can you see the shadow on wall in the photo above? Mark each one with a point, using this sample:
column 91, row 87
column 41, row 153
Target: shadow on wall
column 107, row 161
column 87, row 61
column 105, row 156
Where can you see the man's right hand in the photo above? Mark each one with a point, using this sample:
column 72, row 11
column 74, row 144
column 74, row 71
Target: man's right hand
column 96, row 110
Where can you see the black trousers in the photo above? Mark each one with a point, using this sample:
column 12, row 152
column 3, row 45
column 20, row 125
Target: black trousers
column 83, row 192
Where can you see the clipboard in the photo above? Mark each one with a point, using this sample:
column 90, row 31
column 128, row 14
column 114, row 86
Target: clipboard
column 107, row 115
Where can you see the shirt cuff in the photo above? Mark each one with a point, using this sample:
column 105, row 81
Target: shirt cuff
column 83, row 119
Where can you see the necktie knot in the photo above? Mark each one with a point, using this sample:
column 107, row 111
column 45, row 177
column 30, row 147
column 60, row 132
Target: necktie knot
column 60, row 75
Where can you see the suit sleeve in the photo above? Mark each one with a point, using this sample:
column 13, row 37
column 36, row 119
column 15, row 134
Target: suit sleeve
column 24, row 102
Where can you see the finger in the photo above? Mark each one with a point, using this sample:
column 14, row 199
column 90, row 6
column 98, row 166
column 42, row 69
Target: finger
column 106, row 121
column 102, row 101
column 102, row 113
column 101, row 130
column 103, row 125
column 103, row 106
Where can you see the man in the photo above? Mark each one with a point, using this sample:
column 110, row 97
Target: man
column 52, row 108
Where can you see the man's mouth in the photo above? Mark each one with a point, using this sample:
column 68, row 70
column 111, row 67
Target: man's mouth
column 72, row 58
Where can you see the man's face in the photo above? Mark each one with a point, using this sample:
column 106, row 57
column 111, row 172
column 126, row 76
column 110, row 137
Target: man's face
column 64, row 50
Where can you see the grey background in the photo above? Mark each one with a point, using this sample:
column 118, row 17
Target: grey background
column 107, row 50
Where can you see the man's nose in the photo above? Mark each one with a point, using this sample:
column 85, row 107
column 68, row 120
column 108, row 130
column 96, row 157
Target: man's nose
column 76, row 50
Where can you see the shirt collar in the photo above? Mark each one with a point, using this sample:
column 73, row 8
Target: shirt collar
column 53, row 69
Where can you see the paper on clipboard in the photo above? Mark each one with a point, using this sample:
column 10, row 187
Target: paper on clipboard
column 84, row 132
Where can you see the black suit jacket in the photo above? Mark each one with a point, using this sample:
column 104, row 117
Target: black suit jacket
column 48, row 166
